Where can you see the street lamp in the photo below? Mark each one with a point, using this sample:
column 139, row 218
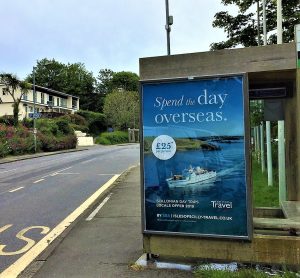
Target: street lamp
column 34, row 112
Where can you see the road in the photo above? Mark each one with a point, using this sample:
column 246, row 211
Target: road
column 37, row 194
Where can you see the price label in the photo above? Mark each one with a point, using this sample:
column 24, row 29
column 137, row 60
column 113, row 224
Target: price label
column 164, row 147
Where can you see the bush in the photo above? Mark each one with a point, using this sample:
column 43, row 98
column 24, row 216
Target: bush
column 82, row 128
column 27, row 123
column 53, row 135
column 111, row 138
column 52, row 143
column 47, row 126
column 102, row 141
column 15, row 140
column 96, row 121
column 63, row 126
column 75, row 119
column 7, row 120
column 4, row 149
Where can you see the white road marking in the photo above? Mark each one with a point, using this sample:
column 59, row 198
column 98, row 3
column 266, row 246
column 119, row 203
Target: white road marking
column 87, row 161
column 18, row 266
column 92, row 215
column 8, row 171
column 68, row 173
column 16, row 189
column 106, row 174
column 38, row 180
column 56, row 172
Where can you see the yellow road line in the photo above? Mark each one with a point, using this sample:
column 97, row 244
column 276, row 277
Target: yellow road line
column 17, row 267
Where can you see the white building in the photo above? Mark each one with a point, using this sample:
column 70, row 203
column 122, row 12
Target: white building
column 47, row 100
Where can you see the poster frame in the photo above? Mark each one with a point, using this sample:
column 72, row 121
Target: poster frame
column 248, row 180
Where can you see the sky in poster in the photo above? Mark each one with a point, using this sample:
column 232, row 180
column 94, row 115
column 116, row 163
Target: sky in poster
column 209, row 107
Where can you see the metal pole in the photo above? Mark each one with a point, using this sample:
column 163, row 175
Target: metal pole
column 279, row 22
column 262, row 148
column 281, row 143
column 269, row 154
column 258, row 24
column 34, row 101
column 254, row 140
column 281, row 162
column 168, row 28
column 264, row 22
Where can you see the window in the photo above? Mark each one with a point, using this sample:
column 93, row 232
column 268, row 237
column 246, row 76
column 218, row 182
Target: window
column 30, row 109
column 57, row 101
column 64, row 102
column 4, row 91
column 74, row 103
column 50, row 102
column 42, row 98
column 25, row 96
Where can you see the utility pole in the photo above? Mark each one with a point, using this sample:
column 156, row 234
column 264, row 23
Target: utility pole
column 169, row 22
column 34, row 109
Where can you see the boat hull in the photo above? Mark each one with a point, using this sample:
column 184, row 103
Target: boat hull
column 190, row 180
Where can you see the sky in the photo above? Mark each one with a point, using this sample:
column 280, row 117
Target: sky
column 101, row 33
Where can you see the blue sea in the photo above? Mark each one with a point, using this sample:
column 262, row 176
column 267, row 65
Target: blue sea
column 216, row 207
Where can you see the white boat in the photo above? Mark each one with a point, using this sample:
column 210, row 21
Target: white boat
column 191, row 176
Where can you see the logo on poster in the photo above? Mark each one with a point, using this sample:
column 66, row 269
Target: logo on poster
column 222, row 204
column 164, row 147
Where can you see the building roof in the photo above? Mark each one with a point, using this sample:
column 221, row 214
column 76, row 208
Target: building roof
column 53, row 92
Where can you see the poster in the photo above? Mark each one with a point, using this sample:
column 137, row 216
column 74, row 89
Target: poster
column 194, row 157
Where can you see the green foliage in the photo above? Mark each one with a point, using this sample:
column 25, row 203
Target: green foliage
column 241, row 273
column 4, row 149
column 96, row 121
column 11, row 84
column 69, row 78
column 53, row 134
column 27, row 123
column 52, row 143
column 104, row 83
column 63, row 126
column 75, row 119
column 126, row 80
column 263, row 195
column 122, row 109
column 111, row 138
column 7, row 120
column 242, row 28
column 15, row 140
column 109, row 81
column 256, row 113
column 47, row 126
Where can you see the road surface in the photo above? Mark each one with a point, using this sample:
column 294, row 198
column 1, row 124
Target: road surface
column 37, row 194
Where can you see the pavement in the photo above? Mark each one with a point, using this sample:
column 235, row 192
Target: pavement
column 108, row 245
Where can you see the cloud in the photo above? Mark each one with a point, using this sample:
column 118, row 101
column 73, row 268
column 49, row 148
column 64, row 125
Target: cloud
column 101, row 33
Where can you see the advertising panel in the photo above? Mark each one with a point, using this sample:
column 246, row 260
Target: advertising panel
column 194, row 157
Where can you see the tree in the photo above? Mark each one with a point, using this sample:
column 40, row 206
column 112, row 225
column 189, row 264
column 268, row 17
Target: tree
column 125, row 80
column 11, row 85
column 109, row 81
column 104, row 84
column 242, row 29
column 69, row 78
column 122, row 109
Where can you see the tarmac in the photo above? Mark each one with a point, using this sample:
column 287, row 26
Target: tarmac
column 108, row 245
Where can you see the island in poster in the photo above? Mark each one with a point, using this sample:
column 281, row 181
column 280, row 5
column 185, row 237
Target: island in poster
column 194, row 159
